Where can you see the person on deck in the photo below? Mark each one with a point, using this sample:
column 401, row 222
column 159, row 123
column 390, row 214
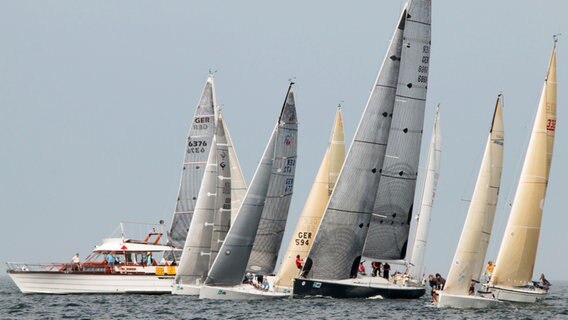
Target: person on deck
column 543, row 283
column 76, row 261
column 376, row 266
column 362, row 270
column 434, row 285
column 441, row 281
column 299, row 262
column 149, row 259
column 110, row 259
column 489, row 269
column 386, row 270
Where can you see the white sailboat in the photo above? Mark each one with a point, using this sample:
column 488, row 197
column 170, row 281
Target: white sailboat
column 225, row 277
column 381, row 153
column 416, row 266
column 211, row 218
column 309, row 220
column 476, row 231
column 511, row 279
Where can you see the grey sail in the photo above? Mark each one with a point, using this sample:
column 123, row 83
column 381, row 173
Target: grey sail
column 339, row 241
column 196, row 153
column 229, row 266
column 273, row 219
column 224, row 192
column 390, row 225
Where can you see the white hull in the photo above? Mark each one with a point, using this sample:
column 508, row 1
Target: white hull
column 186, row 290
column 240, row 292
column 519, row 294
column 63, row 283
column 467, row 302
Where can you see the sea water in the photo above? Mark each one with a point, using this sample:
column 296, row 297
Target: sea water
column 15, row 305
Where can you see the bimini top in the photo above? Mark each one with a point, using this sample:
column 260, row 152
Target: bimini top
column 129, row 245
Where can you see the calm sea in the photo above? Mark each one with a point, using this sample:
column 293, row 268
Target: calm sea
column 14, row 305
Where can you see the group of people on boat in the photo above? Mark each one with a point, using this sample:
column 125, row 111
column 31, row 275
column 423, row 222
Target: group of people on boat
column 436, row 282
column 380, row 269
column 258, row 281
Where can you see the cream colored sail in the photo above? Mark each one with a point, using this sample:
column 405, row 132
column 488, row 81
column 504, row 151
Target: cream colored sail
column 516, row 258
column 309, row 221
column 481, row 211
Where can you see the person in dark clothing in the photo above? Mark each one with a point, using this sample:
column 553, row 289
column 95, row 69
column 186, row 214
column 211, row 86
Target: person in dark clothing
column 386, row 270
column 376, row 266
column 441, row 281
column 434, row 285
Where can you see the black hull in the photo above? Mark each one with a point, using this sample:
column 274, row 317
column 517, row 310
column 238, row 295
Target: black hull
column 308, row 287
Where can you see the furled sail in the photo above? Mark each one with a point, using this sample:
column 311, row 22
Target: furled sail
column 516, row 258
column 229, row 266
column 427, row 201
column 472, row 247
column 273, row 219
column 196, row 153
column 338, row 244
column 212, row 206
column 309, row 220
column 387, row 238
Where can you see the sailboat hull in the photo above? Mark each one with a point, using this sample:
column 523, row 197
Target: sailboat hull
column 186, row 290
column 240, row 292
column 528, row 294
column 354, row 288
column 467, row 302
column 67, row 283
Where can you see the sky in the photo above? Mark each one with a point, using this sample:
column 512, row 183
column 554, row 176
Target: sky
column 96, row 99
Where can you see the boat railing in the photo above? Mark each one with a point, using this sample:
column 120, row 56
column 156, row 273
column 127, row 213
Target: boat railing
column 35, row 267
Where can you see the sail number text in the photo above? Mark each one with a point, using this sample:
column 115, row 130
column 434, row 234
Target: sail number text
column 423, row 69
column 303, row 238
column 197, row 146
column 551, row 125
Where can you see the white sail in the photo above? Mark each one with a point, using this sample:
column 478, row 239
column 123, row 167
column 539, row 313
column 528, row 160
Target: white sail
column 387, row 238
column 229, row 266
column 196, row 153
column 481, row 212
column 209, row 211
column 238, row 183
column 427, row 201
column 517, row 254
column 302, row 237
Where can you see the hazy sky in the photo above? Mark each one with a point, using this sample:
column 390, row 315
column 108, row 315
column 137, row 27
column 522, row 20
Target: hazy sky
column 96, row 99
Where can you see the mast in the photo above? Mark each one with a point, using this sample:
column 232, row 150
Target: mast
column 469, row 253
column 197, row 150
column 427, row 201
column 517, row 255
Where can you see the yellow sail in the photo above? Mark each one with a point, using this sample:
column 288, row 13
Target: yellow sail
column 516, row 258
column 309, row 221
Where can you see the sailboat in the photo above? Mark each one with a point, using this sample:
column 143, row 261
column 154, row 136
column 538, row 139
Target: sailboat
column 196, row 154
column 511, row 279
column 225, row 277
column 472, row 246
column 398, row 96
column 416, row 265
column 302, row 237
column 211, row 218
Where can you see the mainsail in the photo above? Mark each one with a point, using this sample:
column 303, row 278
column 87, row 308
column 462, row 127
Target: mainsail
column 387, row 238
column 427, row 201
column 273, row 219
column 196, row 153
column 516, row 258
column 212, row 214
column 309, row 220
column 339, row 241
column 476, row 231
column 229, row 266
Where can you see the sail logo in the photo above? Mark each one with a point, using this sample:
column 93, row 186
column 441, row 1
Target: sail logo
column 289, row 140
